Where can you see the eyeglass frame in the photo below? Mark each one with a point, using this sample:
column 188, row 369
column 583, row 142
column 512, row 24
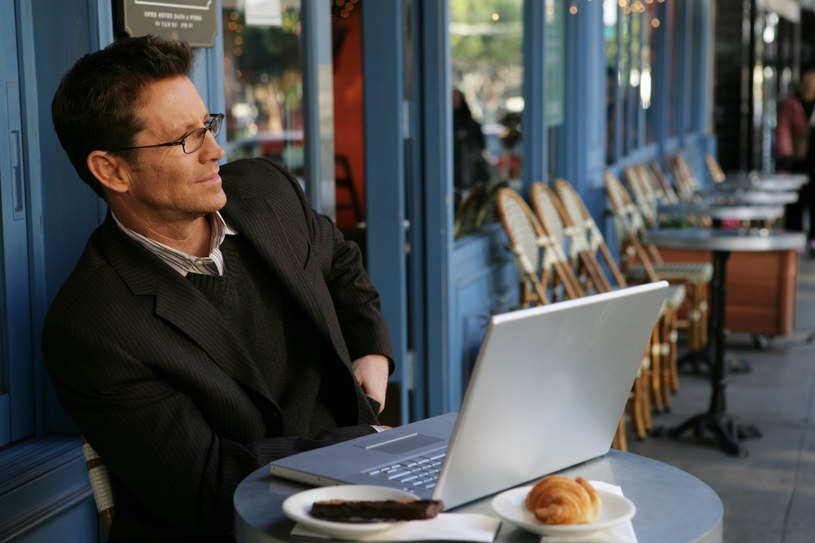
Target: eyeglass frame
column 213, row 125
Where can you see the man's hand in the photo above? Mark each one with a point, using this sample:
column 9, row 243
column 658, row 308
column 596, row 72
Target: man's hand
column 371, row 371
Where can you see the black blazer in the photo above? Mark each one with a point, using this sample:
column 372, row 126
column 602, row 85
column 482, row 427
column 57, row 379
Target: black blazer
column 159, row 386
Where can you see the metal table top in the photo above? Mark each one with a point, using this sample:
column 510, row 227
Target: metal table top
column 720, row 239
column 749, row 197
column 762, row 181
column 672, row 505
column 722, row 212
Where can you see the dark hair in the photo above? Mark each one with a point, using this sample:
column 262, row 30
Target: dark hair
column 97, row 101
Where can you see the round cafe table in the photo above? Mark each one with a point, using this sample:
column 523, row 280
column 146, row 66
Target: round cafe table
column 762, row 181
column 672, row 505
column 721, row 212
column 721, row 242
column 750, row 196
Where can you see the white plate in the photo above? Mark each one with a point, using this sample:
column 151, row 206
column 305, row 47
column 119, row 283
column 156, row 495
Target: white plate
column 614, row 509
column 297, row 507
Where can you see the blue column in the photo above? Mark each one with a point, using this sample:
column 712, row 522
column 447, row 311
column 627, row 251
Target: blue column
column 383, row 62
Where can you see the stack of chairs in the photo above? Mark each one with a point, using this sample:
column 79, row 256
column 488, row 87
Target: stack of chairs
column 641, row 261
column 649, row 191
column 645, row 197
column 567, row 268
column 685, row 181
column 543, row 272
column 665, row 378
column 663, row 187
column 593, row 262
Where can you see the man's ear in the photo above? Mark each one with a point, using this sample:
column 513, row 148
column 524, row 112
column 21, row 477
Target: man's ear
column 111, row 171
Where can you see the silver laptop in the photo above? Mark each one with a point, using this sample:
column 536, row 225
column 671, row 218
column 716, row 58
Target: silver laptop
column 547, row 392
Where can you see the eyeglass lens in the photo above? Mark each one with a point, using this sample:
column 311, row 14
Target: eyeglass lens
column 195, row 139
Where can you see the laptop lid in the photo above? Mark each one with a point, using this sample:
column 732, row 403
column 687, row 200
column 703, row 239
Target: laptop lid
column 547, row 391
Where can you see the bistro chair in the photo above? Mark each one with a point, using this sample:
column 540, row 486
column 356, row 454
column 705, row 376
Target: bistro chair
column 644, row 196
column 685, row 181
column 466, row 221
column 558, row 238
column 715, row 171
column 554, row 275
column 100, row 484
column 665, row 378
column 552, row 217
column 662, row 185
column 597, row 252
column 651, row 177
column 642, row 261
column 523, row 230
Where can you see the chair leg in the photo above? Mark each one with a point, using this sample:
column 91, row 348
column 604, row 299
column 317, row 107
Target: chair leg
column 655, row 371
column 620, row 441
column 639, row 406
column 634, row 410
column 646, row 408
column 667, row 359
column 697, row 315
column 673, row 345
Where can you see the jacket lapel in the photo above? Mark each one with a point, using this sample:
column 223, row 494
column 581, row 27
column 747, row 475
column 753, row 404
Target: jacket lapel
column 182, row 305
column 290, row 258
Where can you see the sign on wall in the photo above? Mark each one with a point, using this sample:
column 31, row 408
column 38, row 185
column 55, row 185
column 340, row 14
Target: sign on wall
column 190, row 20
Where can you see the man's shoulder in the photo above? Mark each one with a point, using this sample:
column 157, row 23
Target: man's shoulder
column 252, row 178
column 91, row 276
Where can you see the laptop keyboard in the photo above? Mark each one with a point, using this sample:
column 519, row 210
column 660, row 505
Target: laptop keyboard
column 421, row 471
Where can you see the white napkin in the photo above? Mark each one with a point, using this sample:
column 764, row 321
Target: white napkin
column 444, row 527
column 621, row 533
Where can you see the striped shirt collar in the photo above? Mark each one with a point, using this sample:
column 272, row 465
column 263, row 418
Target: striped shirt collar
column 182, row 262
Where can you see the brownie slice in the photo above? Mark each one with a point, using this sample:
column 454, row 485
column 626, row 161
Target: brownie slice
column 375, row 510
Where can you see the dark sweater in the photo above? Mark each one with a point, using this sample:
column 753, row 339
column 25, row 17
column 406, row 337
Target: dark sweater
column 278, row 338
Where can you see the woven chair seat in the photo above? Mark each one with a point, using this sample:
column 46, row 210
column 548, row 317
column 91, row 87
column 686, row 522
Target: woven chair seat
column 695, row 272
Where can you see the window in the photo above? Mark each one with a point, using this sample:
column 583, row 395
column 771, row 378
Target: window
column 633, row 33
column 263, row 82
column 487, row 55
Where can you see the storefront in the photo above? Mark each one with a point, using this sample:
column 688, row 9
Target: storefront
column 356, row 97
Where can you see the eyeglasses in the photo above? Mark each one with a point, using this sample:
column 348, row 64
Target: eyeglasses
column 189, row 142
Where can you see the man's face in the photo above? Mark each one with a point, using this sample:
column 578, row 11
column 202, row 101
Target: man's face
column 167, row 186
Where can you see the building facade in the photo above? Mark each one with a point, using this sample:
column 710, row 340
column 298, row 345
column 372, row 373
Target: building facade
column 356, row 97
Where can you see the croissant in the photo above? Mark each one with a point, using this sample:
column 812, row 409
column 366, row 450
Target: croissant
column 557, row 499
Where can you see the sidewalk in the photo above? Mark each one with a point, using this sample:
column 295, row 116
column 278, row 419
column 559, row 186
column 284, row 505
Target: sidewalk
column 769, row 496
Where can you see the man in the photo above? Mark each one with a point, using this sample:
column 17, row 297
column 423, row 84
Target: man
column 214, row 321
column 795, row 147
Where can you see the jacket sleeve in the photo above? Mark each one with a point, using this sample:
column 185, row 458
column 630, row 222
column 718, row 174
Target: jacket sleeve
column 356, row 300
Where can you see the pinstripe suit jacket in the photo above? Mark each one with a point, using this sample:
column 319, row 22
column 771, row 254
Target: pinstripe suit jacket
column 155, row 381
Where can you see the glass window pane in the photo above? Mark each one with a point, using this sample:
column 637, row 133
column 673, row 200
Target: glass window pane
column 263, row 81
column 487, row 56
column 612, row 77
column 649, row 55
column 671, row 76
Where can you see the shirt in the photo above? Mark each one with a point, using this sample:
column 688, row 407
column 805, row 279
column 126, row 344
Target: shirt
column 182, row 262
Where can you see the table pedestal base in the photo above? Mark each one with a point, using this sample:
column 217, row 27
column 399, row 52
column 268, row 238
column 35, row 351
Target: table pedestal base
column 721, row 242
column 704, row 358
column 724, row 428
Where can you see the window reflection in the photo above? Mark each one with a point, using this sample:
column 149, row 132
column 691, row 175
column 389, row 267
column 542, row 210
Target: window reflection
column 487, row 56
column 634, row 33
column 263, row 82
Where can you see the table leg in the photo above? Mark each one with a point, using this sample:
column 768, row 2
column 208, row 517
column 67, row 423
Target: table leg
column 716, row 421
